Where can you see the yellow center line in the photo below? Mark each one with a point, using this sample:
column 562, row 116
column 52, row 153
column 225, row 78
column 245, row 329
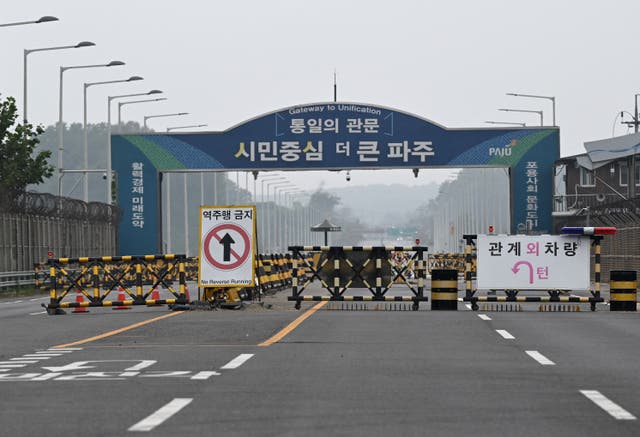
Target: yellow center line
column 293, row 325
column 117, row 331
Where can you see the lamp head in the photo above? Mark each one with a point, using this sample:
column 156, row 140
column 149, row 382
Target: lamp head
column 85, row 44
column 132, row 78
column 155, row 92
column 46, row 19
column 115, row 63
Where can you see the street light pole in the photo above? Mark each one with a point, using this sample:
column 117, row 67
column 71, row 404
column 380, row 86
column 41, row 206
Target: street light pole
column 109, row 164
column 507, row 122
column 121, row 104
column 525, row 110
column 60, row 118
column 278, row 223
column 275, row 181
column 147, row 117
column 24, row 78
column 533, row 96
column 45, row 19
column 169, row 129
column 85, row 146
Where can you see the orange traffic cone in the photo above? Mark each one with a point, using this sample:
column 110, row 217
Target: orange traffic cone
column 186, row 293
column 121, row 297
column 79, row 299
column 155, row 295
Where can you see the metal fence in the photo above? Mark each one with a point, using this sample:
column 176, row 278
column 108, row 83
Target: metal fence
column 621, row 251
column 33, row 224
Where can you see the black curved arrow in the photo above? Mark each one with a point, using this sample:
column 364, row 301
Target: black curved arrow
column 226, row 242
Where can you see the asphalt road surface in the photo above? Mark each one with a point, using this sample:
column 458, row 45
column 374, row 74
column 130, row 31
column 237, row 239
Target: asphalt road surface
column 370, row 370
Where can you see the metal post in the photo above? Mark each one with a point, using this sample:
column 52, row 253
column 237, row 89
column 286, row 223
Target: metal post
column 185, row 206
column 85, row 148
column 168, row 206
column 60, row 134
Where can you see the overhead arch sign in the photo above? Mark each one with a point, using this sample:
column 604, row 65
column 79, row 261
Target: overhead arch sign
column 331, row 136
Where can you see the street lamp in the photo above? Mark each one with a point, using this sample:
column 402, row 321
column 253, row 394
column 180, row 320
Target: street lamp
column 85, row 147
column 525, row 110
column 276, row 196
column 121, row 104
column 109, row 99
column 169, row 129
column 147, row 117
column 44, row 19
column 60, row 119
column 507, row 122
column 533, row 96
column 24, row 78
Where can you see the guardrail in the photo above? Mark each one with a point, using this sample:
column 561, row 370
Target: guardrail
column 16, row 279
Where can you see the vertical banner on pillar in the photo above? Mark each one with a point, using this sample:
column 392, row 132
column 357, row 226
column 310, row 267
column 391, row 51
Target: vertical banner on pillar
column 227, row 246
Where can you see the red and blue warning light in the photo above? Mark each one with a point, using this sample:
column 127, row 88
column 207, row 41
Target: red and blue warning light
column 588, row 230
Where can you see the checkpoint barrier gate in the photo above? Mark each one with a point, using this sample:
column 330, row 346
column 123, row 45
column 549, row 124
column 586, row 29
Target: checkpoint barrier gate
column 341, row 268
column 96, row 278
column 554, row 296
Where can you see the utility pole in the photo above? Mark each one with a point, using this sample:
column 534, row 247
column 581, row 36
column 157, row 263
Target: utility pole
column 631, row 160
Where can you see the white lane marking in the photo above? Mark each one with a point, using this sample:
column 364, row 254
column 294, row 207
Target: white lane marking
column 141, row 365
column 18, row 362
column 46, row 376
column 505, row 334
column 4, row 370
column 48, row 353
column 33, row 357
column 18, row 301
column 12, row 365
column 540, row 358
column 43, row 356
column 38, row 313
column 164, row 413
column 31, row 360
column 468, row 306
column 484, row 317
column 237, row 361
column 608, row 405
column 204, row 375
column 65, row 350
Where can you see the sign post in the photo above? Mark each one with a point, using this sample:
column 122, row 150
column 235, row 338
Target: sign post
column 227, row 246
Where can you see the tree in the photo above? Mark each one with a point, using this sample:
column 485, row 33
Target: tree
column 324, row 202
column 19, row 164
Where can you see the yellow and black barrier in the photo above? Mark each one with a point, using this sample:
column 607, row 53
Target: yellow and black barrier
column 554, row 296
column 623, row 285
column 94, row 279
column 341, row 268
column 444, row 289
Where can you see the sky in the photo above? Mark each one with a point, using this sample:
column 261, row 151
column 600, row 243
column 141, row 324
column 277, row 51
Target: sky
column 224, row 62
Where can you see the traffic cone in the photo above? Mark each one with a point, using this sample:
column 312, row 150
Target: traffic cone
column 121, row 297
column 186, row 293
column 79, row 299
column 155, row 295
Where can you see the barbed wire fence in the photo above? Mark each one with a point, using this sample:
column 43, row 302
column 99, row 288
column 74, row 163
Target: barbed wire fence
column 33, row 224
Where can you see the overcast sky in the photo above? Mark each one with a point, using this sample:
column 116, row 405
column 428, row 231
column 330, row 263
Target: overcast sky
column 227, row 61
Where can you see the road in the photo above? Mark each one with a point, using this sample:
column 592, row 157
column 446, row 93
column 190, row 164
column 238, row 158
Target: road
column 374, row 373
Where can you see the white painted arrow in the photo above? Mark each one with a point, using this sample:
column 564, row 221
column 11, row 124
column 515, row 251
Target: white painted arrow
column 73, row 366
column 80, row 365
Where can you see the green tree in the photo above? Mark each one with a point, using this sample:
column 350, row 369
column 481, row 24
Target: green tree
column 19, row 164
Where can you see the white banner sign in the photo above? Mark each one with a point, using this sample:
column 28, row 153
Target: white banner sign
column 533, row 262
column 227, row 246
